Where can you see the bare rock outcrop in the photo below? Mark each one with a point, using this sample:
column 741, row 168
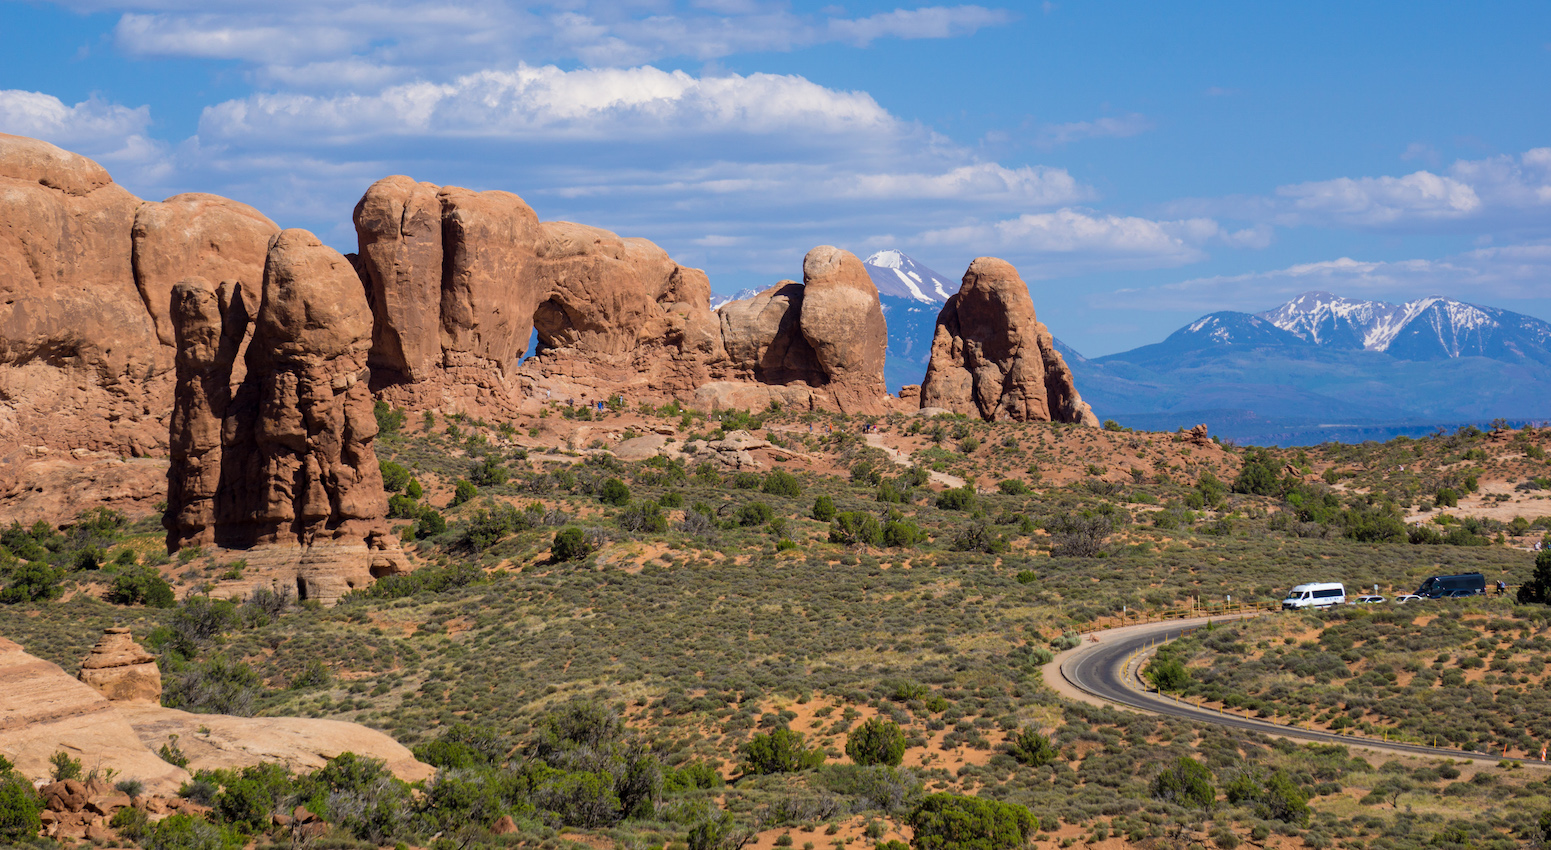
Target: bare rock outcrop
column 44, row 710
column 76, row 341
column 281, row 465
column 122, row 670
column 992, row 358
column 822, row 341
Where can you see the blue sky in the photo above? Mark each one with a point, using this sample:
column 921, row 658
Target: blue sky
column 1141, row 163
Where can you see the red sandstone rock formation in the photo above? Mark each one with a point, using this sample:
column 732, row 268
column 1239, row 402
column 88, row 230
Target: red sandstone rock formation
column 283, row 464
column 992, row 358
column 122, row 670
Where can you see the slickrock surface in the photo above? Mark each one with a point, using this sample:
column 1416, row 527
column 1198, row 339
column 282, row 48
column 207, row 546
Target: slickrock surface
column 992, row 358
column 43, row 710
column 220, row 741
column 121, row 670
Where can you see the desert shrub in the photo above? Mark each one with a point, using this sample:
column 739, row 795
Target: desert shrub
column 956, row 499
column 1013, row 487
column 32, row 581
column 823, row 509
column 487, row 472
column 462, row 491
column 401, row 506
column 1167, row 673
column 876, row 741
column 671, row 499
column 692, row 776
column 217, row 685
column 1187, row 783
column 644, row 518
column 1274, row 797
column 719, row 833
column 953, row 822
column 130, row 822
column 570, row 544
column 902, row 534
column 782, row 483
column 1078, row 536
column 430, row 524
column 141, row 586
column 395, row 477
column 1538, row 589
column 62, row 766
column 187, row 832
column 780, row 751
column 389, row 419
column 614, row 492
column 855, row 528
column 979, row 536
column 1031, row 748
column 754, row 513
column 747, row 481
column 20, row 809
column 1258, row 475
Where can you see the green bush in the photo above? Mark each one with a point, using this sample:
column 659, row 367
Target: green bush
column 32, row 581
column 782, row 483
column 780, row 751
column 430, row 524
column 902, row 534
column 953, row 822
column 747, row 481
column 823, row 509
column 462, row 492
column 395, row 477
column 957, row 499
column 141, row 586
column 1186, row 783
column 186, row 832
column 852, row 528
column 1538, row 589
column 1013, row 487
column 1167, row 674
column 487, row 472
column 1031, row 748
column 20, row 809
column 389, row 419
column 754, row 513
column 63, row 766
column 1258, row 475
column 876, row 741
column 644, row 518
column 570, row 544
column 615, row 493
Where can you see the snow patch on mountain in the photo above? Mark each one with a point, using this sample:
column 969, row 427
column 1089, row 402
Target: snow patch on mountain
column 896, row 274
column 1453, row 328
column 718, row 301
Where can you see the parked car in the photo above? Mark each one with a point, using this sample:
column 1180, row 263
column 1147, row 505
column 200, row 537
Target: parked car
column 1370, row 599
column 1409, row 597
column 1443, row 587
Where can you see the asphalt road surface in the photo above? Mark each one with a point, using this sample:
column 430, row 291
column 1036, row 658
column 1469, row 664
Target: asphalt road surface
column 1107, row 670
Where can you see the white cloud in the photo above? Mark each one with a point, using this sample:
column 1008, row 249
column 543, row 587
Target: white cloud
column 442, row 38
column 1056, row 135
column 1070, row 240
column 90, row 123
column 925, row 22
column 1039, row 186
column 1370, row 201
column 546, row 103
column 1483, row 276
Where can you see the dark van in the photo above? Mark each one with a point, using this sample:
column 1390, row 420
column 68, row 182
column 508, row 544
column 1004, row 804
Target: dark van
column 1438, row 587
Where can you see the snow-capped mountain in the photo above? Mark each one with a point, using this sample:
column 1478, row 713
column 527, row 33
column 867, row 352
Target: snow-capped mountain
column 1432, row 328
column 718, row 301
column 896, row 274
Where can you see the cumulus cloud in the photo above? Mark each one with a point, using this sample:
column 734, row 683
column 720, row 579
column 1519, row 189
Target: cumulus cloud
column 111, row 133
column 1369, row 201
column 1057, row 135
column 1070, row 240
column 441, row 38
column 1483, row 275
column 549, row 103
column 1468, row 196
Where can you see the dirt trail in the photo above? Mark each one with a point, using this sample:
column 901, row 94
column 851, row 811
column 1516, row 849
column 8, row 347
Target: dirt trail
column 899, row 457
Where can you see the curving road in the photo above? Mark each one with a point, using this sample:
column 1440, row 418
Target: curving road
column 1109, row 669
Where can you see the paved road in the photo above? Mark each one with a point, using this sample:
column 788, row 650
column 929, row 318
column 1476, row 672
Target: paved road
column 1107, row 670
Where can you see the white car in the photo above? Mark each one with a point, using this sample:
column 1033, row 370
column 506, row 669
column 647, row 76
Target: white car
column 1410, row 597
column 1369, row 600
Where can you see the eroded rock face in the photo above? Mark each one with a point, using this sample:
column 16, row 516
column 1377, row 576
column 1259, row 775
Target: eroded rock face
column 121, row 670
column 77, row 343
column 992, row 358
column 283, row 461
column 827, row 334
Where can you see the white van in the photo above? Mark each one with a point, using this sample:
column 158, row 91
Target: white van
column 1318, row 595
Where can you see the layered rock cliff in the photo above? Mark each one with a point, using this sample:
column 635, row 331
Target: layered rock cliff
column 992, row 358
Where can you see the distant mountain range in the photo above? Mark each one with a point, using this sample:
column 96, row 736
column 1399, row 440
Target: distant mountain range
column 1319, row 367
column 1323, row 367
